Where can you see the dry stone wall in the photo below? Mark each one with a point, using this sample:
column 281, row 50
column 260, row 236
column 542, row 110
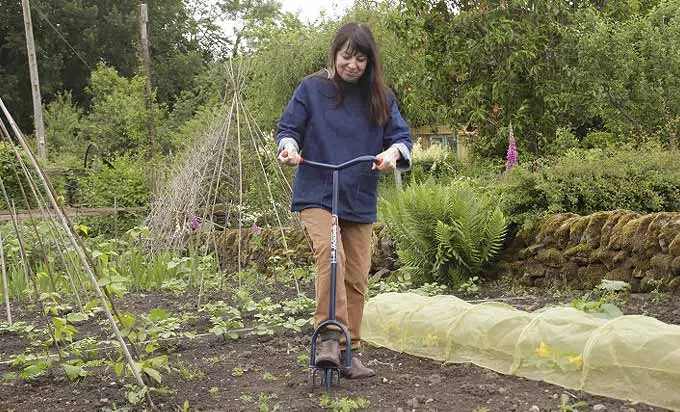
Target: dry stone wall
column 643, row 250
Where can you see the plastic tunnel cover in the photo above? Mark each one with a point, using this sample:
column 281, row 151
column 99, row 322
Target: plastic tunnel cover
column 635, row 358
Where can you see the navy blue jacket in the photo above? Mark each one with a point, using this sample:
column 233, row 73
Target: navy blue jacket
column 328, row 132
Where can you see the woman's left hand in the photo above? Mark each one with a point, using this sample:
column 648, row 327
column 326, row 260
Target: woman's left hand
column 387, row 160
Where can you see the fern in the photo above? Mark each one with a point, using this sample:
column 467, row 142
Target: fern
column 444, row 234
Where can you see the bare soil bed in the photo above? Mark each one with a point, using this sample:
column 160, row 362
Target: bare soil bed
column 268, row 373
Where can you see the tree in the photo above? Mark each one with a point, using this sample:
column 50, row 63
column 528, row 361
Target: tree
column 72, row 37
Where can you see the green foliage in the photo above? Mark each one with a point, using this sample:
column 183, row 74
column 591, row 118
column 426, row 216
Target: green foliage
column 118, row 118
column 63, row 123
column 577, row 65
column 12, row 177
column 444, row 233
column 126, row 184
column 628, row 70
column 584, row 182
column 343, row 404
column 291, row 52
column 95, row 31
column 564, row 140
column 598, row 140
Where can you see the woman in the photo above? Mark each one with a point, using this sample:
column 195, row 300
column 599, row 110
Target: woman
column 336, row 115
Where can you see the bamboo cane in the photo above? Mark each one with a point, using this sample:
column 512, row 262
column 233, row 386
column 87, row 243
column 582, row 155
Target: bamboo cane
column 29, row 273
column 76, row 245
column 4, row 281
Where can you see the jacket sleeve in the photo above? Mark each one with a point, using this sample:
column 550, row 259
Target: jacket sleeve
column 397, row 134
column 291, row 127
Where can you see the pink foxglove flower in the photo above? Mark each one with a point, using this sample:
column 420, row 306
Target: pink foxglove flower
column 255, row 229
column 511, row 159
column 194, row 223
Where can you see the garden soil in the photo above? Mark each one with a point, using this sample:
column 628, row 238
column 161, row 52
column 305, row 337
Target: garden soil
column 270, row 373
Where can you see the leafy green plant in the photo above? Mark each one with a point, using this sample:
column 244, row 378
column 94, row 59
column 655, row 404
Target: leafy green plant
column 599, row 308
column 400, row 282
column 63, row 121
column 74, row 370
column 268, row 377
column 444, row 233
column 224, row 321
column 430, row 289
column 587, row 181
column 126, row 184
column 470, row 286
column 566, row 406
column 344, row 404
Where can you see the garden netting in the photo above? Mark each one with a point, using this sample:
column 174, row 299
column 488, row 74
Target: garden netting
column 636, row 358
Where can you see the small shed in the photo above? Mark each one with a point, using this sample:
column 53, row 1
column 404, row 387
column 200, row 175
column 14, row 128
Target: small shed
column 442, row 135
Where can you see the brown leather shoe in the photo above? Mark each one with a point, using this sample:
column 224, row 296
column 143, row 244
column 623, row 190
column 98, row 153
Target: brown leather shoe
column 358, row 370
column 329, row 354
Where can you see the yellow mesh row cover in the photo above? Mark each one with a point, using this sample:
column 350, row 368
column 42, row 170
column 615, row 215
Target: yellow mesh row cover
column 636, row 358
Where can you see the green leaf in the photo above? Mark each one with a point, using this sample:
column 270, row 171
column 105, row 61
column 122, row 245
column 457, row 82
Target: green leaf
column 153, row 374
column 74, row 372
column 128, row 319
column 10, row 376
column 77, row 317
column 158, row 314
column 34, row 371
column 134, row 397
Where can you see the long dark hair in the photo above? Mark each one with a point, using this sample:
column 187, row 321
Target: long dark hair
column 358, row 38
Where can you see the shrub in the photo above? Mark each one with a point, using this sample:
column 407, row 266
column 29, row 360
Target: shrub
column 126, row 184
column 63, row 122
column 444, row 233
column 598, row 140
column 644, row 180
column 118, row 118
column 564, row 140
column 13, row 178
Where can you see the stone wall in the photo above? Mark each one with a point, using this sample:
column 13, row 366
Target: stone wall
column 643, row 250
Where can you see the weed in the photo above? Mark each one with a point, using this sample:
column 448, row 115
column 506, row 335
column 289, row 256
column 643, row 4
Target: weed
column 268, row 377
column 343, row 404
column 264, row 403
column 470, row 286
column 188, row 372
column 303, row 359
column 213, row 391
column 431, row 289
column 565, row 406
column 185, row 407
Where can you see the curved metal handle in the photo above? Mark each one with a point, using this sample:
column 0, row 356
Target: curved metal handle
column 341, row 166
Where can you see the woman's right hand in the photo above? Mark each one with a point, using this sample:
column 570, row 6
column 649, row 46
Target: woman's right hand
column 289, row 156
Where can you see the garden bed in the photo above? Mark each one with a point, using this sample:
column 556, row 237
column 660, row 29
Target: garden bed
column 271, row 373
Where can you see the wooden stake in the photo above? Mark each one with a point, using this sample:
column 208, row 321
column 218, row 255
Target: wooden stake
column 146, row 58
column 35, row 81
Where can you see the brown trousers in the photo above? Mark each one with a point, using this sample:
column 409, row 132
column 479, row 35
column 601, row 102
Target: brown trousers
column 353, row 265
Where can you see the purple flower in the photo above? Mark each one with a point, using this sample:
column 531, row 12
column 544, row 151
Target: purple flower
column 511, row 159
column 194, row 224
column 255, row 229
